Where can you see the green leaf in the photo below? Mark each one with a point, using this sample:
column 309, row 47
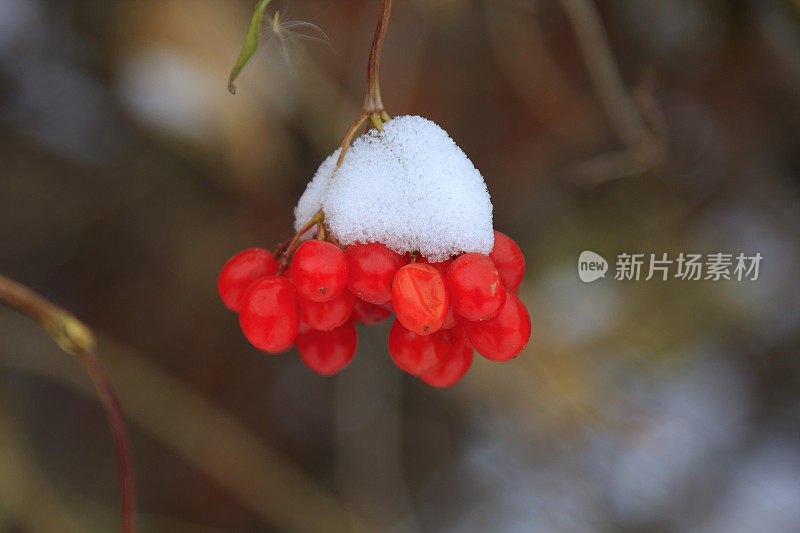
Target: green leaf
column 250, row 43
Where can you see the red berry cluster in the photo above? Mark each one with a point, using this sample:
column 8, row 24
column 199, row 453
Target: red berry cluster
column 444, row 310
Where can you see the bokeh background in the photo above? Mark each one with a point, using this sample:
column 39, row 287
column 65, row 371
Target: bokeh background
column 128, row 175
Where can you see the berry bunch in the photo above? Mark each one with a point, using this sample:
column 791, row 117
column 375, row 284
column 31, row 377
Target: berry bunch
column 314, row 294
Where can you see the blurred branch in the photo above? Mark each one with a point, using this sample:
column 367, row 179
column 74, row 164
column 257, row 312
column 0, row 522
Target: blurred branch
column 603, row 71
column 75, row 338
column 28, row 498
column 647, row 154
column 103, row 515
column 518, row 42
column 213, row 441
column 644, row 136
column 360, row 432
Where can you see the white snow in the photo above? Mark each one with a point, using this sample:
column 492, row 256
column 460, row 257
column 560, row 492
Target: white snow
column 409, row 186
column 311, row 200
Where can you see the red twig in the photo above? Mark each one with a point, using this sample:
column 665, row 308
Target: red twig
column 75, row 338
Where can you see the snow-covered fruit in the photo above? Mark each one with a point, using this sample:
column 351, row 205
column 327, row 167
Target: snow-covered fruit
column 403, row 222
column 444, row 310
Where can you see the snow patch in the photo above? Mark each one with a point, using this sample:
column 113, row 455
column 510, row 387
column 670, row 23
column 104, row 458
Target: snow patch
column 409, row 186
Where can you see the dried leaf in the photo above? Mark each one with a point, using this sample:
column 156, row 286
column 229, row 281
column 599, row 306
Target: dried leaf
column 250, row 43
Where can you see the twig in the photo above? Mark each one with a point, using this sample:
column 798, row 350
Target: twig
column 372, row 101
column 639, row 127
column 75, row 338
column 210, row 439
column 603, row 71
column 631, row 160
column 281, row 249
column 373, row 110
column 373, row 104
column 348, row 137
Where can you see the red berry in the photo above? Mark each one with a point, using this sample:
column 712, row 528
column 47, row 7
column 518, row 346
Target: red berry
column 371, row 268
column 508, row 259
column 450, row 319
column 319, row 270
column 371, row 314
column 240, row 271
column 504, row 336
column 453, row 368
column 419, row 298
column 416, row 354
column 474, row 286
column 326, row 315
column 327, row 352
column 268, row 316
column 454, row 336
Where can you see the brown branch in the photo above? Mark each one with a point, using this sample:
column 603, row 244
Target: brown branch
column 373, row 104
column 286, row 249
column 603, row 71
column 279, row 251
column 348, row 137
column 636, row 119
column 372, row 101
column 373, row 111
column 633, row 160
column 264, row 481
column 75, row 338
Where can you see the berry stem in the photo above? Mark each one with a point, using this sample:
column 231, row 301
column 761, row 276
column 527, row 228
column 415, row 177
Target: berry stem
column 75, row 338
column 295, row 241
column 373, row 111
column 281, row 249
column 348, row 137
column 377, row 123
column 372, row 101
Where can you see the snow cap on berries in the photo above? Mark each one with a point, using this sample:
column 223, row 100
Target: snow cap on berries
column 409, row 186
column 311, row 201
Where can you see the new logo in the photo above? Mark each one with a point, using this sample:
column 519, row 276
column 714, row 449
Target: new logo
column 591, row 266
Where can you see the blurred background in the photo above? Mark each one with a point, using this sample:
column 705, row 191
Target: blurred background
column 128, row 175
